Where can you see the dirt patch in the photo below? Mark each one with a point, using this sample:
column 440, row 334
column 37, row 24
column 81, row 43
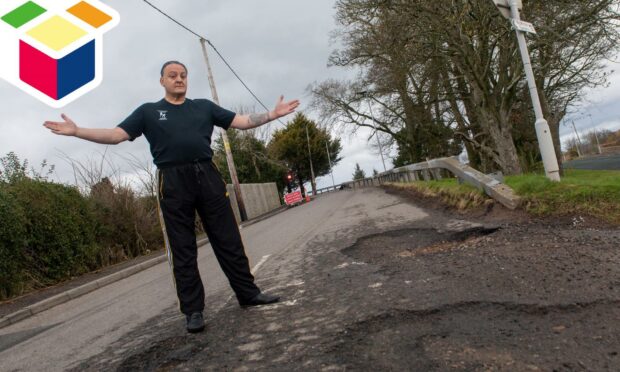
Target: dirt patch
column 436, row 204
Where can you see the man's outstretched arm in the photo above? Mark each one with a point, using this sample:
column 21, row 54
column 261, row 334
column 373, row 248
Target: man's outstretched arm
column 256, row 120
column 69, row 128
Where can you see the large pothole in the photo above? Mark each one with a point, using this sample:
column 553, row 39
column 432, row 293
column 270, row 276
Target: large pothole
column 386, row 247
column 482, row 336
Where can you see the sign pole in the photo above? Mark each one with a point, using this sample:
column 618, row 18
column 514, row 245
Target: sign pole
column 543, row 133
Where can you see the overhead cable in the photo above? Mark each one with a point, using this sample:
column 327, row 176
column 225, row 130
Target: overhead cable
column 214, row 48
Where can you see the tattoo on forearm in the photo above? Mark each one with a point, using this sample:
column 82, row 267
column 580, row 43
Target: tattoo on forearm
column 255, row 120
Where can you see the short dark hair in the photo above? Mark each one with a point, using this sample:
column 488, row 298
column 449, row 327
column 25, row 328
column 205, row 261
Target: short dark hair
column 171, row 63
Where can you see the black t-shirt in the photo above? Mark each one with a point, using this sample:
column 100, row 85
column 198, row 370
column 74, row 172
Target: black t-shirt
column 178, row 134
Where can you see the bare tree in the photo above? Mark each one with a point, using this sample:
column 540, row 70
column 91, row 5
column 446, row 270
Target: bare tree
column 91, row 170
column 145, row 172
column 442, row 72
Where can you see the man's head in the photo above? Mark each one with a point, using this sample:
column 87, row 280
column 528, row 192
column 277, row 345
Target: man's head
column 174, row 78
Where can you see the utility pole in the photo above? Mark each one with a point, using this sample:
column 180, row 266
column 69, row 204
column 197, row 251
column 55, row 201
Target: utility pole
column 229, row 157
column 312, row 181
column 510, row 9
column 578, row 140
column 329, row 158
column 598, row 144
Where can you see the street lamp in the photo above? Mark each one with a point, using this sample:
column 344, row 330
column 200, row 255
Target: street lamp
column 312, row 180
column 365, row 94
column 329, row 158
column 510, row 9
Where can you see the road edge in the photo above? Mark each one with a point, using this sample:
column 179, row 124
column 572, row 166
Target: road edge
column 74, row 293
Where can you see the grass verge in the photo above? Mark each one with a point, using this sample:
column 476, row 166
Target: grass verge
column 581, row 192
column 449, row 192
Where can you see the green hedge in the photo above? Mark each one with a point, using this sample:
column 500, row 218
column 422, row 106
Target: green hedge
column 50, row 232
column 12, row 244
column 125, row 223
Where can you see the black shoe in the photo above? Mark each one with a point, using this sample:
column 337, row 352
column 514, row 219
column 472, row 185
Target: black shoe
column 195, row 323
column 260, row 299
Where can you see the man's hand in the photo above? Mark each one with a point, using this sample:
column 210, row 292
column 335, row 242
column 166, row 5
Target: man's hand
column 252, row 121
column 69, row 128
column 284, row 108
column 64, row 128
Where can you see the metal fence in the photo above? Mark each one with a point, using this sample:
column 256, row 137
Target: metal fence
column 437, row 169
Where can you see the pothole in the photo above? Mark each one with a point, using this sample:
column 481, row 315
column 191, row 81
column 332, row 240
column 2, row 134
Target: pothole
column 387, row 246
column 169, row 352
column 485, row 336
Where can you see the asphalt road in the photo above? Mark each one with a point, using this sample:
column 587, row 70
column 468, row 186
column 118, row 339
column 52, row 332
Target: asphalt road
column 369, row 282
column 608, row 162
column 61, row 337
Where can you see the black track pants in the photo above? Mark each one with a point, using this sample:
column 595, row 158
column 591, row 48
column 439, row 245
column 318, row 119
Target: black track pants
column 198, row 187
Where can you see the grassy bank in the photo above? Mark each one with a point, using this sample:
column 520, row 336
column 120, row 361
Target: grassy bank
column 449, row 192
column 593, row 193
column 581, row 192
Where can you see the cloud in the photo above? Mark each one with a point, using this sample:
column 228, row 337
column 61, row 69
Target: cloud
column 276, row 46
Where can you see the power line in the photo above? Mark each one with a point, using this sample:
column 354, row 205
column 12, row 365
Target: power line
column 216, row 51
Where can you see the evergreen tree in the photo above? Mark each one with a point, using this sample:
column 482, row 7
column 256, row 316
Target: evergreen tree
column 290, row 146
column 358, row 174
column 251, row 159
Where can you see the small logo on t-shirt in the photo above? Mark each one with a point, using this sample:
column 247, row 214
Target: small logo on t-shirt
column 162, row 115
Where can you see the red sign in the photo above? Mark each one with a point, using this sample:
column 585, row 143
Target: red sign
column 292, row 198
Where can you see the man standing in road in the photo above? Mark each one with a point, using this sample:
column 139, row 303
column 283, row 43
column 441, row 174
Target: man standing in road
column 179, row 132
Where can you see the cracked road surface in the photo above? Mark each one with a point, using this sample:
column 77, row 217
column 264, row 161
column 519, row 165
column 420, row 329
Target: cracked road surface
column 369, row 281
column 63, row 336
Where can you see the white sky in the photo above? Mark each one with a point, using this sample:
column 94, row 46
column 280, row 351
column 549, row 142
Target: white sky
column 278, row 47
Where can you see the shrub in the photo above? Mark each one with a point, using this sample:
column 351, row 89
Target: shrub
column 12, row 244
column 51, row 232
column 128, row 225
column 60, row 234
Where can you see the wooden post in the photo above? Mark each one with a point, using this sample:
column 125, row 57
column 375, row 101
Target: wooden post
column 229, row 157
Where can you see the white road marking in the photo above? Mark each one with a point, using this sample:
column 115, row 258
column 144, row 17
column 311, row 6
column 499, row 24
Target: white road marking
column 342, row 266
column 254, row 269
column 260, row 263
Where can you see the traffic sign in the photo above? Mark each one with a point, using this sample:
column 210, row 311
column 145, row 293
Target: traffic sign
column 293, row 198
column 504, row 7
column 524, row 26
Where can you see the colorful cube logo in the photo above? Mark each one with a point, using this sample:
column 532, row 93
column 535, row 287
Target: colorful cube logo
column 52, row 49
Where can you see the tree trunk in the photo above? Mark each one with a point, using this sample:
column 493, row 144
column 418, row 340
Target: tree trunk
column 507, row 158
column 497, row 125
